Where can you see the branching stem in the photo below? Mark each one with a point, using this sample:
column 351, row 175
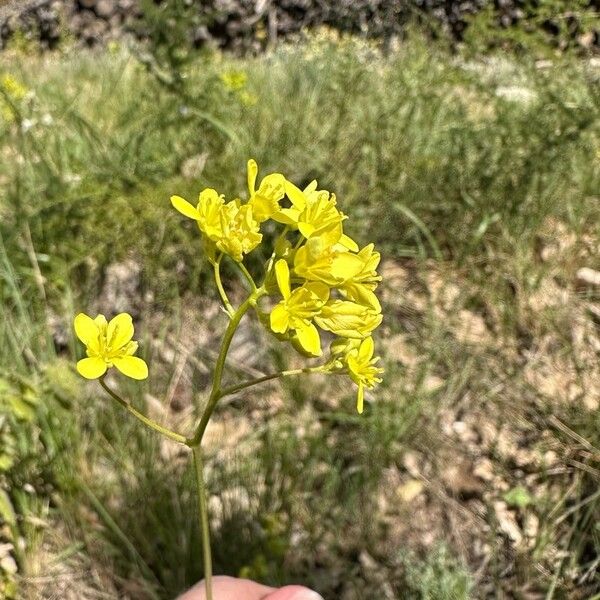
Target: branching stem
column 222, row 292
column 176, row 437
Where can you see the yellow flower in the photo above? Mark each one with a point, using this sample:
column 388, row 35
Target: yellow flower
column 15, row 91
column 246, row 98
column 318, row 260
column 360, row 287
column 230, row 227
column 297, row 309
column 13, row 87
column 348, row 319
column 264, row 200
column 207, row 213
column 314, row 213
column 234, row 80
column 362, row 369
column 108, row 345
column 239, row 231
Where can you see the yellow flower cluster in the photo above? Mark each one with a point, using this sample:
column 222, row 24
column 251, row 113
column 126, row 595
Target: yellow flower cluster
column 325, row 282
column 12, row 91
column 235, row 82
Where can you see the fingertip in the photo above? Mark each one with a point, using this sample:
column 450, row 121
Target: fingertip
column 294, row 592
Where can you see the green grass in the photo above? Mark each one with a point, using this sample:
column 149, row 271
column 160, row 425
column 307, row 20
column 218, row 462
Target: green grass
column 462, row 172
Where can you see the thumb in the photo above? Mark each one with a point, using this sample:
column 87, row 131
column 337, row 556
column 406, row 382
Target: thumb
column 293, row 592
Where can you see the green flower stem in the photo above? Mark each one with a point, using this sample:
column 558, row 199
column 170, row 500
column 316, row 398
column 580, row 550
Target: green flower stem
column 246, row 274
column 222, row 293
column 176, row 437
column 204, row 525
column 195, row 442
column 215, row 394
column 279, row 375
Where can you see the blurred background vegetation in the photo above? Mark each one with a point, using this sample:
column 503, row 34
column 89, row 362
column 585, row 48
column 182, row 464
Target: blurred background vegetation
column 467, row 147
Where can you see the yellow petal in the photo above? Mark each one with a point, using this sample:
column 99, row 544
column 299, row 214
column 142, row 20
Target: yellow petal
column 91, row 368
column 311, row 187
column 295, row 194
column 282, row 273
column 346, row 265
column 87, row 331
column 348, row 242
column 132, row 366
column 119, row 331
column 287, row 216
column 365, row 352
column 360, row 400
column 184, row 207
column 308, row 337
column 252, row 173
column 320, row 290
column 279, row 319
column 361, row 293
column 306, row 229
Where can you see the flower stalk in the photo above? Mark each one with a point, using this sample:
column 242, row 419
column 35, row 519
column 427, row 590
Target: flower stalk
column 316, row 280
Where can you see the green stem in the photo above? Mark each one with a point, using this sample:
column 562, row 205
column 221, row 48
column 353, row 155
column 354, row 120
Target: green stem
column 280, row 375
column 215, row 393
column 176, row 437
column 222, row 292
column 246, row 273
column 204, row 525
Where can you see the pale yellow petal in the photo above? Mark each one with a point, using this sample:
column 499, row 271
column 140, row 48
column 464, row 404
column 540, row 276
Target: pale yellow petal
column 279, row 319
column 282, row 273
column 308, row 337
column 132, row 366
column 365, row 352
column 252, row 173
column 91, row 368
column 119, row 331
column 348, row 242
column 295, row 194
column 184, row 207
column 287, row 216
column 306, row 229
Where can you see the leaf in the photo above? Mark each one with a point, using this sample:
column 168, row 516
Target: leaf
column 6, row 462
column 21, row 408
column 7, row 512
column 518, row 497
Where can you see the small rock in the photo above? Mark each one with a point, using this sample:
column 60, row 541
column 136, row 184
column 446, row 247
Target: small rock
column 105, row 8
column 8, row 565
column 408, row 491
column 432, row 383
column 484, row 469
column 471, row 328
column 531, row 526
column 464, row 433
column 586, row 40
column 550, row 458
column 412, row 463
column 507, row 522
column 587, row 277
column 460, row 481
column 193, row 167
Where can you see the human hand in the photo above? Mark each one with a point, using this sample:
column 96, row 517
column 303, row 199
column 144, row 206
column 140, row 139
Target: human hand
column 229, row 588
